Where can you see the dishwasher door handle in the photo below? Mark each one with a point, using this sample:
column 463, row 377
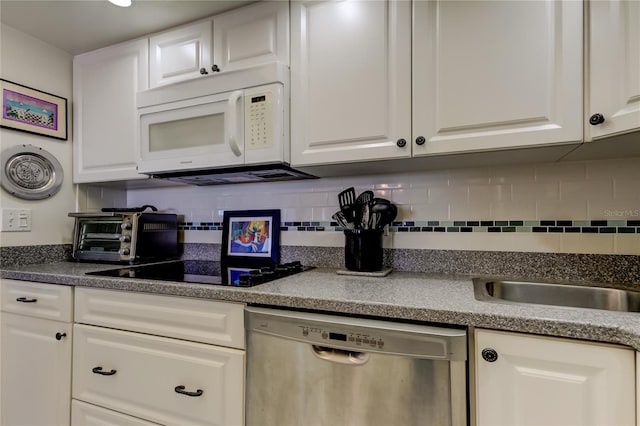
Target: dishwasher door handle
column 340, row 356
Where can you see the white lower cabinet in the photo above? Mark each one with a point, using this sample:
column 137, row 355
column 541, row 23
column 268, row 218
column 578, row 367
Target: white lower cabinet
column 36, row 353
column 91, row 415
column 159, row 379
column 535, row 380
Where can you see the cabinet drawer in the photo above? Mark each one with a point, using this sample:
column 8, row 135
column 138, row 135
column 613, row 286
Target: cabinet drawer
column 83, row 414
column 47, row 301
column 206, row 321
column 143, row 372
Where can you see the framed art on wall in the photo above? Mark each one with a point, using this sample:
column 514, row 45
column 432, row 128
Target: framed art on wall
column 33, row 111
column 251, row 238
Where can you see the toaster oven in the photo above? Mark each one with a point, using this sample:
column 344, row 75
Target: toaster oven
column 120, row 237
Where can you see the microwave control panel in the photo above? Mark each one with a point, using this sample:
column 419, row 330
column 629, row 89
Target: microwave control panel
column 259, row 120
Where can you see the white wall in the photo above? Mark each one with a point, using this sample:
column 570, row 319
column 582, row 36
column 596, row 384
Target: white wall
column 578, row 191
column 34, row 63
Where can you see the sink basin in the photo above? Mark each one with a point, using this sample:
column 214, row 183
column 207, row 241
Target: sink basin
column 575, row 296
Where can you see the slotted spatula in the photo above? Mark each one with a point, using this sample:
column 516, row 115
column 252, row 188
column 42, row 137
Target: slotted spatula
column 347, row 201
column 364, row 198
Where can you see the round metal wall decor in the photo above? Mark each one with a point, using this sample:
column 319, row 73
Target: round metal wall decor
column 30, row 172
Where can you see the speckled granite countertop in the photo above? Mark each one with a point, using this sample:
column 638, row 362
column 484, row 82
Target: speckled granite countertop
column 401, row 295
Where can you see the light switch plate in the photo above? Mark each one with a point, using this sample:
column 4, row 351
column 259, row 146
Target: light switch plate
column 16, row 220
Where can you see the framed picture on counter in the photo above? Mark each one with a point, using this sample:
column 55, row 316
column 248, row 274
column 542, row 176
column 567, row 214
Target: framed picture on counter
column 251, row 238
column 33, row 111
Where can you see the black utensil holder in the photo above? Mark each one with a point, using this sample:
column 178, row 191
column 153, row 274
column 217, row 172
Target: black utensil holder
column 363, row 249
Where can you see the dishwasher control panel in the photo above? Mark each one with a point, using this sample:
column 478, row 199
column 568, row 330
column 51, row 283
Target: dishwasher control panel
column 358, row 339
column 359, row 334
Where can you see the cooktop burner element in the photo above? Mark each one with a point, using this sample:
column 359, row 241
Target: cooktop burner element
column 204, row 272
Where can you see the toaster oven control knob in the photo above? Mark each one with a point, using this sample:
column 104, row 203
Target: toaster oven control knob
column 125, row 226
column 125, row 251
column 124, row 238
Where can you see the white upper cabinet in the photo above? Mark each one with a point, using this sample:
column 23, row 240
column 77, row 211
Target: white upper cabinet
column 252, row 35
column 244, row 37
column 535, row 380
column 613, row 68
column 180, row 54
column 350, row 81
column 474, row 76
column 105, row 127
column 496, row 74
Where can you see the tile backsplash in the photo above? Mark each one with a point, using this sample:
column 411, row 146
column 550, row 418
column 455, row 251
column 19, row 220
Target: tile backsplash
column 567, row 207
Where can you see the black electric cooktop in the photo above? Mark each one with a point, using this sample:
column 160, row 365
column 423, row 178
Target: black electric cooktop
column 205, row 272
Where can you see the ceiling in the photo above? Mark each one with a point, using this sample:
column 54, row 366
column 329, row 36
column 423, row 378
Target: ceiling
column 78, row 26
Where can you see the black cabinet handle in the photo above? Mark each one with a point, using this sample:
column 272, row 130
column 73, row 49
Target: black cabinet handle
column 215, row 68
column 180, row 389
column 25, row 300
column 203, row 71
column 59, row 336
column 98, row 370
column 596, row 119
column 420, row 140
column 401, row 143
column 490, row 355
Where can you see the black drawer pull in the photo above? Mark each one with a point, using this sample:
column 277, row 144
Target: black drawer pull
column 180, row 389
column 59, row 335
column 98, row 370
column 25, row 300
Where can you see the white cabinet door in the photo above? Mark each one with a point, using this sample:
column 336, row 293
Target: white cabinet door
column 168, row 381
column 350, row 81
column 541, row 381
column 252, row 35
column 105, row 82
column 36, row 371
column 614, row 67
column 496, row 74
column 179, row 54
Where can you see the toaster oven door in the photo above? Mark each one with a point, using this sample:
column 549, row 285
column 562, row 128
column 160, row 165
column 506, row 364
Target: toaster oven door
column 98, row 239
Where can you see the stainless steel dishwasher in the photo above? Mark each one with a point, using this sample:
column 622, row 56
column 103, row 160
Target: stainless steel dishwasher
column 311, row 369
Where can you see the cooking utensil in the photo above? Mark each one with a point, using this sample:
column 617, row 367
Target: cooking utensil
column 347, row 200
column 362, row 209
column 363, row 213
column 342, row 220
column 373, row 220
column 385, row 212
column 364, row 198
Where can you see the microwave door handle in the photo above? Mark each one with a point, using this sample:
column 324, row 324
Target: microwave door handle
column 233, row 122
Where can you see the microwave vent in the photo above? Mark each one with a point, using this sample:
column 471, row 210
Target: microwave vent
column 242, row 174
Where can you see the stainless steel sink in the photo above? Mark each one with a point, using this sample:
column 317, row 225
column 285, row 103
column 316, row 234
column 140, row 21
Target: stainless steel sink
column 576, row 296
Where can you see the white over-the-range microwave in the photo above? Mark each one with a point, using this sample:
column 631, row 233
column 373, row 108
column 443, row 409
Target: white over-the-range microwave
column 229, row 127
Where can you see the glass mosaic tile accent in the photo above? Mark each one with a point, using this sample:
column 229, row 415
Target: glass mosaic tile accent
column 457, row 226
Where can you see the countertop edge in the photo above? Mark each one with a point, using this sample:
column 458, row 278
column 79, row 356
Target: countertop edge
column 604, row 327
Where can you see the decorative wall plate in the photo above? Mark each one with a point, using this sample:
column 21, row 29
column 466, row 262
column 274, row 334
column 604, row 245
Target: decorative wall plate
column 30, row 172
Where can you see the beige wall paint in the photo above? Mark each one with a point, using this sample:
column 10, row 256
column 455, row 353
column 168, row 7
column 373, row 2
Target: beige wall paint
column 34, row 63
